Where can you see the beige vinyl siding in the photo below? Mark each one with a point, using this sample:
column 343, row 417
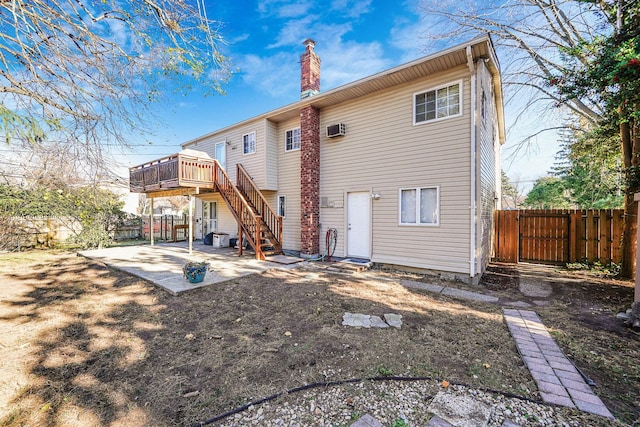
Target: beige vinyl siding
column 271, row 162
column 488, row 174
column 382, row 152
column 254, row 163
column 289, row 186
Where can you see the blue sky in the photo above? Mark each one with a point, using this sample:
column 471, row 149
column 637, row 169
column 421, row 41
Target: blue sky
column 355, row 39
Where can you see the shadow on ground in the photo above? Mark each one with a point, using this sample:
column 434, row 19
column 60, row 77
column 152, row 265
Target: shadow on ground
column 93, row 347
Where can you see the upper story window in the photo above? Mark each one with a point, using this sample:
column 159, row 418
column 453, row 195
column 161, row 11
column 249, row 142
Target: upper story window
column 249, row 143
column 419, row 206
column 445, row 101
column 292, row 140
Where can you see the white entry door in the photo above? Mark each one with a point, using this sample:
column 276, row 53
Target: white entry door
column 209, row 217
column 221, row 154
column 359, row 225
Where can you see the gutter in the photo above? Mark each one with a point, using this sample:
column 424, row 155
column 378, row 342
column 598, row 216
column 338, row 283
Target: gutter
column 472, row 206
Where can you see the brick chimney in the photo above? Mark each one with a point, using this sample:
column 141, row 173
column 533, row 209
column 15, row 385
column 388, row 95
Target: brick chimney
column 309, row 71
column 309, row 154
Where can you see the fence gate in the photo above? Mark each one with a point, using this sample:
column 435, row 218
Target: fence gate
column 544, row 237
column 558, row 236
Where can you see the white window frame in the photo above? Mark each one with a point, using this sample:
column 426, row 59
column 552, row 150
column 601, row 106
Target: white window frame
column 435, row 89
column 282, row 212
column 286, row 139
column 245, row 140
column 417, row 190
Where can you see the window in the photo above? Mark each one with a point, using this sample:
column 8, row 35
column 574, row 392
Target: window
column 292, row 140
column 282, row 203
column 437, row 104
column 249, row 143
column 419, row 206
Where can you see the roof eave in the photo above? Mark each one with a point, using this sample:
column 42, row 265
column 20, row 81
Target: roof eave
column 332, row 96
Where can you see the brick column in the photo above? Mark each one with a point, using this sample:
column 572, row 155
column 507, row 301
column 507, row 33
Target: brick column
column 310, row 181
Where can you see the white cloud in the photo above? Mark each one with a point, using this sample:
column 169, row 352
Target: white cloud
column 284, row 8
column 342, row 62
column 345, row 62
column 294, row 32
column 294, row 10
column 351, row 8
column 276, row 75
column 410, row 38
column 239, row 38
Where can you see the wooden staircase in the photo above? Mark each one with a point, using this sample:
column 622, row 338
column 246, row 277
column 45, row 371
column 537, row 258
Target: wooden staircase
column 257, row 221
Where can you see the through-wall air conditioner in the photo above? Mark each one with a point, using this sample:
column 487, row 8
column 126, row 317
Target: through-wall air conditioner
column 335, row 130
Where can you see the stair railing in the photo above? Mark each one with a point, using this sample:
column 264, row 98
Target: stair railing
column 272, row 222
column 249, row 223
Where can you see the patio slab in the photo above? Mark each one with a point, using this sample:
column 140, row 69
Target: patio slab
column 162, row 263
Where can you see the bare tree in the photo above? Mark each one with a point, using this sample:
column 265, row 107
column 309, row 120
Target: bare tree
column 85, row 71
column 531, row 36
column 513, row 192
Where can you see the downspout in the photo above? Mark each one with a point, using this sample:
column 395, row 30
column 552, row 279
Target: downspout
column 472, row 207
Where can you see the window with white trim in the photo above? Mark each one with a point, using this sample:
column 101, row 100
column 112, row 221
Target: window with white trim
column 249, row 143
column 419, row 206
column 438, row 103
column 282, row 205
column 292, row 140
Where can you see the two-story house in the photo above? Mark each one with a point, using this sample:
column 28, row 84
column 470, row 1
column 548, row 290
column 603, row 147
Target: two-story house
column 401, row 168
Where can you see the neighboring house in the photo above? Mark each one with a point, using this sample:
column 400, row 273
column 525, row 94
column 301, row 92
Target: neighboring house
column 404, row 164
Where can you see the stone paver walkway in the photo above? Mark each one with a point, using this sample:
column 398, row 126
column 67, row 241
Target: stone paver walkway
column 452, row 292
column 559, row 382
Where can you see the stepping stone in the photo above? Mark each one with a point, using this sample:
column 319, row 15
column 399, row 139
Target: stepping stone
column 357, row 320
column 460, row 411
column 518, row 304
column 394, row 320
column 367, row 421
column 421, row 285
column 436, row 421
column 473, row 296
column 377, row 322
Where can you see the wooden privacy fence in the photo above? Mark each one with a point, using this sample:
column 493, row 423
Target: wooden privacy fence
column 558, row 236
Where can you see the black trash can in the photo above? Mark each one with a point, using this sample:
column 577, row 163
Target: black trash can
column 208, row 239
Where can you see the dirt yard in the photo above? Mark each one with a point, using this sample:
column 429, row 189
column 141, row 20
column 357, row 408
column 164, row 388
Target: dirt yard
column 83, row 345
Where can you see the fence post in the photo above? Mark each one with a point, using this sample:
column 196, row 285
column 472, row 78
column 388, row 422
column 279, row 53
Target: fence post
column 575, row 235
column 606, row 217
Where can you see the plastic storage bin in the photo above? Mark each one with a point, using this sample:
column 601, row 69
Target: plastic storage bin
column 220, row 240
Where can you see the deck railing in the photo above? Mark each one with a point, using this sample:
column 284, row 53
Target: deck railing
column 257, row 221
column 177, row 170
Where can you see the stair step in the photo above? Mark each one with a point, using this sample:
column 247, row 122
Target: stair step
column 270, row 253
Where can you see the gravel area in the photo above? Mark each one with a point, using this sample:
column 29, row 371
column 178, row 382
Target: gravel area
column 400, row 403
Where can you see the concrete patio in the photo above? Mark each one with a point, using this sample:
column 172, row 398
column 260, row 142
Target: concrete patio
column 162, row 263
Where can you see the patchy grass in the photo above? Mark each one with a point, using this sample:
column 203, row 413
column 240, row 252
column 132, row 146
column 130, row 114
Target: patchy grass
column 83, row 345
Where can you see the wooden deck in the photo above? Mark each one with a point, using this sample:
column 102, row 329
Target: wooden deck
column 178, row 174
column 192, row 172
